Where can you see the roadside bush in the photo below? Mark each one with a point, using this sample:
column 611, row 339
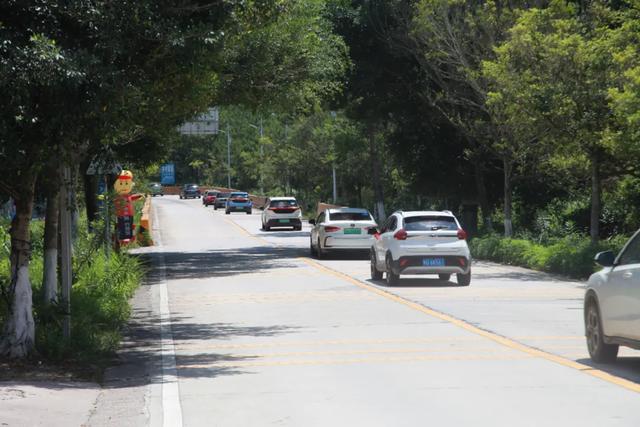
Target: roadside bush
column 102, row 287
column 571, row 255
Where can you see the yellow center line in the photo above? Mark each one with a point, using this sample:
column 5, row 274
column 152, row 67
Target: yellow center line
column 507, row 342
column 629, row 385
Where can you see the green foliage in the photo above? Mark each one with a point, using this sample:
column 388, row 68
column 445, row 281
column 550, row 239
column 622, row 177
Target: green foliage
column 571, row 255
column 102, row 287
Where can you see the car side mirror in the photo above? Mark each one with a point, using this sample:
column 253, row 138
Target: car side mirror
column 373, row 230
column 605, row 259
column 312, row 221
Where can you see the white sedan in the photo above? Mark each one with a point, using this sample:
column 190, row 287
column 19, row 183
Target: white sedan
column 612, row 303
column 342, row 229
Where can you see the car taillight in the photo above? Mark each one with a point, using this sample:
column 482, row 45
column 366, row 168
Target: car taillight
column 331, row 229
column 462, row 235
column 400, row 234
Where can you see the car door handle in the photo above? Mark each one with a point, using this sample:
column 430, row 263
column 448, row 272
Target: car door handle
column 627, row 274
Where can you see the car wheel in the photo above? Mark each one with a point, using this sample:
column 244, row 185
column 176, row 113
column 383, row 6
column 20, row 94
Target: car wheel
column 297, row 228
column 392, row 278
column 312, row 250
column 248, row 212
column 599, row 351
column 444, row 277
column 321, row 253
column 464, row 279
column 227, row 212
column 215, row 208
column 375, row 273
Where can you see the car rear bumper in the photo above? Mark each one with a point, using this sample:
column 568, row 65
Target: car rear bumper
column 453, row 264
column 284, row 222
column 239, row 208
column 357, row 243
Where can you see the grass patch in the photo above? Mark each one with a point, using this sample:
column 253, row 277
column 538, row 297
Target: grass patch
column 102, row 286
column 571, row 255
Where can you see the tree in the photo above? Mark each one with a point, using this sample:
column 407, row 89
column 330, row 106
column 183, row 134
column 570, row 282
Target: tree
column 557, row 68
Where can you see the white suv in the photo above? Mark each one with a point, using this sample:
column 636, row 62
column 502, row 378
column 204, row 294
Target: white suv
column 612, row 303
column 421, row 242
column 281, row 212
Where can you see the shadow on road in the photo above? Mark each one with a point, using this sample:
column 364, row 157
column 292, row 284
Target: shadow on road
column 422, row 282
column 624, row 367
column 140, row 358
column 221, row 263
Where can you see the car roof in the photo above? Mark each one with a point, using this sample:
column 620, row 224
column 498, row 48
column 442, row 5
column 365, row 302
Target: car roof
column 275, row 199
column 425, row 213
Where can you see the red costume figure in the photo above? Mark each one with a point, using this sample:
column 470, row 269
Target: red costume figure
column 124, row 206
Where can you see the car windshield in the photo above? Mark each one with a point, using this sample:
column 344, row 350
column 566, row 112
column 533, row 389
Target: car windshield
column 350, row 216
column 283, row 203
column 430, row 223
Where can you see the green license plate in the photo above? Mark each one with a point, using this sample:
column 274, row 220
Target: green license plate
column 284, row 221
column 352, row 231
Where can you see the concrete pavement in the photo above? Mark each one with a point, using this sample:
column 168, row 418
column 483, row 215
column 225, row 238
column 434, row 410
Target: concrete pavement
column 239, row 327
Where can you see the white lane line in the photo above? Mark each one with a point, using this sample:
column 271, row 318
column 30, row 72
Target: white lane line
column 171, row 407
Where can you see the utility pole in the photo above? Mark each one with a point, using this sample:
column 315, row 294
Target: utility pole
column 228, row 156
column 333, row 166
column 65, row 252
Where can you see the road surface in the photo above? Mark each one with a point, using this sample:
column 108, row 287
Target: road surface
column 256, row 333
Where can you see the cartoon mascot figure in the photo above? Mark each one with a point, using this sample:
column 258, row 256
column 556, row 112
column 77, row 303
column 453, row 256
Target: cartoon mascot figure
column 124, row 207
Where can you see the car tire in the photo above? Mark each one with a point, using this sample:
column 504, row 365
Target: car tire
column 312, row 250
column 599, row 351
column 444, row 277
column 248, row 212
column 297, row 228
column 392, row 278
column 227, row 212
column 215, row 208
column 464, row 279
column 320, row 253
column 375, row 273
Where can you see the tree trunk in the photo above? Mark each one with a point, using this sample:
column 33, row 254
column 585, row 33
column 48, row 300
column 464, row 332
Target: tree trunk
column 376, row 168
column 90, row 201
column 596, row 203
column 508, row 198
column 483, row 200
column 50, row 273
column 18, row 335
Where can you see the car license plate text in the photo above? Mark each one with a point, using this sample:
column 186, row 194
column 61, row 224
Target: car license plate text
column 433, row 262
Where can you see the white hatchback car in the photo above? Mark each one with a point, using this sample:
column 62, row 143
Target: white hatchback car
column 612, row 303
column 281, row 212
column 421, row 242
column 341, row 229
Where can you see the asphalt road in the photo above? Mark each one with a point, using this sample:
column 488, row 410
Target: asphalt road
column 256, row 333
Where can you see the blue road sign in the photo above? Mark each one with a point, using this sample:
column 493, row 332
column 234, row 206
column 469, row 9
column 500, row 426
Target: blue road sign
column 168, row 174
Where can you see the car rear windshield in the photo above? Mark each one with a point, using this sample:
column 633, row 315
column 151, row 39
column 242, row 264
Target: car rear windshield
column 350, row 216
column 239, row 195
column 223, row 195
column 430, row 223
column 282, row 203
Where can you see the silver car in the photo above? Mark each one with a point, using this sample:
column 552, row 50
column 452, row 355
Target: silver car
column 612, row 303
